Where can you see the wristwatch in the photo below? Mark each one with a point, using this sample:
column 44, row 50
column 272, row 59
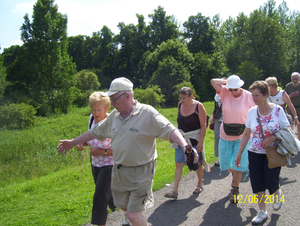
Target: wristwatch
column 105, row 153
column 295, row 117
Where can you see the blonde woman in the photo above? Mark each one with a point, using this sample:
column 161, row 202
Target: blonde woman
column 281, row 98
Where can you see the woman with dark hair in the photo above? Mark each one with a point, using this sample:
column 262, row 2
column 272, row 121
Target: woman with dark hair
column 272, row 118
column 191, row 121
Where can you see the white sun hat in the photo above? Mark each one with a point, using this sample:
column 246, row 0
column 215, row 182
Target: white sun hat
column 234, row 82
column 117, row 85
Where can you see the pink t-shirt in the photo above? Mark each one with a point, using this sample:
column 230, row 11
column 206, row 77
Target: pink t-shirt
column 235, row 110
column 99, row 161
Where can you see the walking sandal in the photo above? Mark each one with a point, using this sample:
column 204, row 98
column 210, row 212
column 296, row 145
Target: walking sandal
column 172, row 195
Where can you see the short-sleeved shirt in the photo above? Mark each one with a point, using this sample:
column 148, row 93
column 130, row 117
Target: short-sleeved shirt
column 133, row 139
column 270, row 124
column 99, row 161
column 295, row 100
column 234, row 110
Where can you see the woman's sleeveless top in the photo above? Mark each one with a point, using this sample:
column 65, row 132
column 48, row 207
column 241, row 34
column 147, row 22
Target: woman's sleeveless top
column 189, row 123
column 277, row 99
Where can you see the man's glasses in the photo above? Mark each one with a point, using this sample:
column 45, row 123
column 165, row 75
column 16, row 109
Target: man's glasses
column 231, row 90
column 114, row 100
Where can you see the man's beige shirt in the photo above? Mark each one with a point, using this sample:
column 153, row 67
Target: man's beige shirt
column 133, row 139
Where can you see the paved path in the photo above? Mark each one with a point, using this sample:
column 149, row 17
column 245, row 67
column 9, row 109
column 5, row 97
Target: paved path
column 212, row 206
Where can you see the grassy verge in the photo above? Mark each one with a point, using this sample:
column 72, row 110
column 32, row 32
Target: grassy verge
column 40, row 187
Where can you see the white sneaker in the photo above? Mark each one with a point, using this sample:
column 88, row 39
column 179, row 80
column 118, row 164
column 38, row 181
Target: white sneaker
column 126, row 222
column 277, row 205
column 260, row 217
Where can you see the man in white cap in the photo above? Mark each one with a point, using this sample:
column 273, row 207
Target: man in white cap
column 293, row 90
column 236, row 103
column 133, row 128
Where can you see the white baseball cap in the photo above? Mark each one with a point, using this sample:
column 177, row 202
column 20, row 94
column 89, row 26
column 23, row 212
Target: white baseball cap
column 117, row 85
column 234, row 82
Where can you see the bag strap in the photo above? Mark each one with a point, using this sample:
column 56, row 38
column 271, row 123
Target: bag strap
column 91, row 123
column 218, row 111
column 261, row 130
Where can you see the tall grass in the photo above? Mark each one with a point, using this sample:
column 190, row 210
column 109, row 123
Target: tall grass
column 38, row 186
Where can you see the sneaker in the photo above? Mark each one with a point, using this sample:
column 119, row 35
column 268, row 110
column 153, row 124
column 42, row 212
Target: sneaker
column 277, row 204
column 260, row 217
column 234, row 198
column 126, row 222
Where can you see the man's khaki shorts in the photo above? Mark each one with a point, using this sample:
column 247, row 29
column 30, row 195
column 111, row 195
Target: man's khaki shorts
column 132, row 186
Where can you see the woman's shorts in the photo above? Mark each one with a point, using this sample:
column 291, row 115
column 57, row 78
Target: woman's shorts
column 179, row 156
column 228, row 151
column 261, row 177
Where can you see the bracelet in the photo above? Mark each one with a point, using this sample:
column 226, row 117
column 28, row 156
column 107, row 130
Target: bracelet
column 295, row 117
column 105, row 153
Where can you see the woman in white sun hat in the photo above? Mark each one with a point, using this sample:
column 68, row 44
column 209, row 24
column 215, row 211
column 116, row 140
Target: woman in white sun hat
column 236, row 103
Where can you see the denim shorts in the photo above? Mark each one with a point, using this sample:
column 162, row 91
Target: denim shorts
column 179, row 156
column 228, row 151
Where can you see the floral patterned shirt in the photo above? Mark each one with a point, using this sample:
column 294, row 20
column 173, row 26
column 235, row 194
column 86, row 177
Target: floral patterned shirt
column 99, row 161
column 270, row 124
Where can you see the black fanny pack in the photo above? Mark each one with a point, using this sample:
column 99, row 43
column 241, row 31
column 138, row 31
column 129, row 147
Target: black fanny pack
column 234, row 129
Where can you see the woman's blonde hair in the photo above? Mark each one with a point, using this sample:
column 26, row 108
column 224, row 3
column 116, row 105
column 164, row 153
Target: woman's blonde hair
column 96, row 98
column 272, row 81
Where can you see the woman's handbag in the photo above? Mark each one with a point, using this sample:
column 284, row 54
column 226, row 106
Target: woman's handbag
column 212, row 125
column 274, row 158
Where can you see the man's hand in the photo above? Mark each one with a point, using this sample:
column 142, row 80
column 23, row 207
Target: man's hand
column 64, row 146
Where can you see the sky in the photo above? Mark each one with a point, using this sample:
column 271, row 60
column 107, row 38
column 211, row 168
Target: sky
column 88, row 16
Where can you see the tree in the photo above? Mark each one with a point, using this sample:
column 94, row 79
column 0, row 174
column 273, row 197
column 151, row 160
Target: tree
column 3, row 81
column 162, row 27
column 50, row 68
column 207, row 67
column 200, row 34
column 170, row 64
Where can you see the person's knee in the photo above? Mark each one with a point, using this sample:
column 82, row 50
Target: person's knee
column 134, row 217
column 179, row 164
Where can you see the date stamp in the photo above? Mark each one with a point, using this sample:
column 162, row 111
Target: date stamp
column 254, row 198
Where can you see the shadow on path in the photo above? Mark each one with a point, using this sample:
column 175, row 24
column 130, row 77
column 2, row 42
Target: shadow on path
column 173, row 212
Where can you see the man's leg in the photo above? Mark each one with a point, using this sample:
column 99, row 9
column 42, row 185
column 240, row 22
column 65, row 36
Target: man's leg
column 137, row 219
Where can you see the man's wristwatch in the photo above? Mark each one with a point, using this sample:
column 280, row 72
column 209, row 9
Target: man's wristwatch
column 105, row 153
column 295, row 117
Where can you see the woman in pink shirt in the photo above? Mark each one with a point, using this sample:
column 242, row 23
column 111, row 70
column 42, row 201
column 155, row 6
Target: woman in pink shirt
column 236, row 103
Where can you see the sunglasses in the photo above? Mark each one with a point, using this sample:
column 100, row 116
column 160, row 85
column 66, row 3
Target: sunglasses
column 231, row 90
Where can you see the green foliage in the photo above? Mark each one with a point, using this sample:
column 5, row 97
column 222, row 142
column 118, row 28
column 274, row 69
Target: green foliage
column 49, row 66
column 17, row 116
column 167, row 66
column 207, row 67
column 87, row 82
column 151, row 95
column 249, row 73
column 200, row 34
column 3, row 82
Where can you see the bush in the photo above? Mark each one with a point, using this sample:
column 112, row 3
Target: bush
column 151, row 95
column 17, row 116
